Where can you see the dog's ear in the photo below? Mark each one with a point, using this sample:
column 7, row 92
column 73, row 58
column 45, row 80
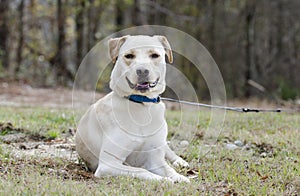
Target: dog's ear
column 114, row 45
column 167, row 47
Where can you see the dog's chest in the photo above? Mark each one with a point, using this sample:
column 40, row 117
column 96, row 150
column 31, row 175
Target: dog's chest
column 140, row 120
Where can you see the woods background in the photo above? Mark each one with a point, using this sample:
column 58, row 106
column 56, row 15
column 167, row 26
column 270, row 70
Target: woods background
column 255, row 43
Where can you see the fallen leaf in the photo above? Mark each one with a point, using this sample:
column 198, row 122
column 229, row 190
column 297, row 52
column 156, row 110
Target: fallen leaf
column 264, row 177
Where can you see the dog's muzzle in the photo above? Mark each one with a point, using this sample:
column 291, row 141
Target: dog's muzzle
column 142, row 86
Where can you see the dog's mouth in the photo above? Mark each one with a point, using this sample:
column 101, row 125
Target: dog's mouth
column 144, row 86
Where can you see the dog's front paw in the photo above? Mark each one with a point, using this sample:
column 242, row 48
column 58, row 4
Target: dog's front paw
column 179, row 162
column 179, row 178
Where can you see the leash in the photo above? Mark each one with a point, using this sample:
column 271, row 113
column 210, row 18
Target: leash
column 235, row 109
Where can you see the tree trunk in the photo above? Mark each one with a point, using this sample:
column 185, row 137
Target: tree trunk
column 4, row 32
column 136, row 13
column 62, row 72
column 250, row 50
column 91, row 24
column 279, row 28
column 21, row 36
column 160, row 17
column 61, row 35
column 119, row 13
column 79, row 17
column 212, row 27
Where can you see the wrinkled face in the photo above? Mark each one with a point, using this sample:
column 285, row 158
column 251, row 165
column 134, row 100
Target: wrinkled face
column 140, row 65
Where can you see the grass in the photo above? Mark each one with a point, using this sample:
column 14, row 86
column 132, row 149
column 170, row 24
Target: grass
column 267, row 164
column 39, row 122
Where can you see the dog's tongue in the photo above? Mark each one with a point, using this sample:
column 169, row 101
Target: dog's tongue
column 143, row 86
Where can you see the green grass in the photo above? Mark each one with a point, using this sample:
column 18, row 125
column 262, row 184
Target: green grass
column 39, row 122
column 219, row 171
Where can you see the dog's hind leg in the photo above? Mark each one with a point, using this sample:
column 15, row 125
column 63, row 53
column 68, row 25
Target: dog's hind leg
column 111, row 166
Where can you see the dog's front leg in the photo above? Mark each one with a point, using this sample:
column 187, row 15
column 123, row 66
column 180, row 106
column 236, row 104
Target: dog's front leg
column 174, row 159
column 157, row 164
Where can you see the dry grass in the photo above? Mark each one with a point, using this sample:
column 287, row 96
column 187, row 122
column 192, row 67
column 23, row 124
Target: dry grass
column 267, row 163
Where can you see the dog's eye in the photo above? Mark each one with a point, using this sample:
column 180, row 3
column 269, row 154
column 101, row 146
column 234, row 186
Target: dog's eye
column 154, row 56
column 129, row 56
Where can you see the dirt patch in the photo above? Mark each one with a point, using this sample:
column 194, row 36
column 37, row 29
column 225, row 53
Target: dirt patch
column 20, row 145
column 62, row 169
column 11, row 134
column 22, row 151
column 6, row 128
column 55, row 148
column 18, row 95
column 25, row 148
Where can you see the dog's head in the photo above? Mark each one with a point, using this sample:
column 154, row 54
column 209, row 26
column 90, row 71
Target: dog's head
column 140, row 65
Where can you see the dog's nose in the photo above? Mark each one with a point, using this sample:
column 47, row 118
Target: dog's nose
column 142, row 72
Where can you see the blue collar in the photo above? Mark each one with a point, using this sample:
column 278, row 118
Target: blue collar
column 142, row 99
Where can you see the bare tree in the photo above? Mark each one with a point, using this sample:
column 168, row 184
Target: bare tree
column 79, row 20
column 249, row 47
column 212, row 26
column 94, row 16
column 92, row 19
column 249, row 39
column 4, row 31
column 59, row 61
column 138, row 14
column 21, row 36
column 119, row 14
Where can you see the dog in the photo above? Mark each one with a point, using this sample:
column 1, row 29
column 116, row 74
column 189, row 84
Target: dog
column 125, row 132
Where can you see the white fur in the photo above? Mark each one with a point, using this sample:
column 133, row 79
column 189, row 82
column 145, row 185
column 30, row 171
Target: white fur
column 120, row 137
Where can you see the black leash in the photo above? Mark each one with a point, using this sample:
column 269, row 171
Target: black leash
column 236, row 109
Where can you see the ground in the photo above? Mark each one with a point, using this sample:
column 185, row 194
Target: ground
column 255, row 154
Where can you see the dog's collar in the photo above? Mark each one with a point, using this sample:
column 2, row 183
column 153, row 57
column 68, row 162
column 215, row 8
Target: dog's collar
column 142, row 99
